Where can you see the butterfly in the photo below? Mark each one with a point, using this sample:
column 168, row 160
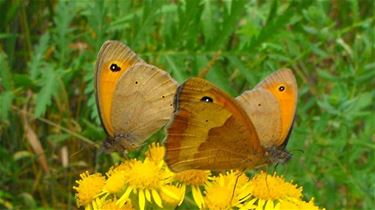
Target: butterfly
column 210, row 130
column 134, row 99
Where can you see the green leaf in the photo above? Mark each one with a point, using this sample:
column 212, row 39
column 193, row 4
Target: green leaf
column 230, row 23
column 176, row 72
column 90, row 91
column 62, row 35
column 208, row 24
column 6, row 99
column 37, row 59
column 242, row 69
column 218, row 77
column 271, row 30
column 273, row 11
column 6, row 80
column 189, row 17
column 49, row 87
column 360, row 103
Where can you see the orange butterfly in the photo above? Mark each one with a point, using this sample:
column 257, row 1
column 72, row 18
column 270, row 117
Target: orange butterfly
column 134, row 99
column 211, row 130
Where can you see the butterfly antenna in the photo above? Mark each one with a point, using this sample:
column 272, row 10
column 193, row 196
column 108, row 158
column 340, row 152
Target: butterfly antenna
column 298, row 150
column 98, row 153
column 101, row 150
column 275, row 167
column 268, row 189
column 274, row 170
column 235, row 183
column 234, row 187
column 76, row 152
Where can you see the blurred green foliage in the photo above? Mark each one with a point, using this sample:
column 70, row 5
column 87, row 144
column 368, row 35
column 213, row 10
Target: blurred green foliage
column 47, row 55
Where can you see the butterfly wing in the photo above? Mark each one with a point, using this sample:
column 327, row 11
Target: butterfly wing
column 262, row 108
column 210, row 130
column 113, row 60
column 271, row 106
column 142, row 104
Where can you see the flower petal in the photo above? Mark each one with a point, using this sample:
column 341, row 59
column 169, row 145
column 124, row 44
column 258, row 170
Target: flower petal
column 261, row 203
column 269, row 205
column 124, row 196
column 148, row 195
column 169, row 193
column 182, row 197
column 249, row 204
column 277, row 206
column 157, row 198
column 197, row 195
column 142, row 201
column 97, row 203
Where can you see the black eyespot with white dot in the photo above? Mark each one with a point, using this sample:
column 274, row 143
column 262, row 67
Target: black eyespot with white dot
column 281, row 88
column 114, row 67
column 207, row 99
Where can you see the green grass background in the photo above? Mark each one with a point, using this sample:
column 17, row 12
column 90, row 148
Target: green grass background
column 47, row 56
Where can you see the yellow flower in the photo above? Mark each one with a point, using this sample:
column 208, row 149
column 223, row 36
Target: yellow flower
column 156, row 152
column 173, row 195
column 259, row 204
column 88, row 188
column 192, row 177
column 145, row 178
column 227, row 191
column 111, row 205
column 115, row 182
column 195, row 178
column 272, row 187
column 124, row 166
column 284, row 204
column 151, row 181
column 293, row 203
column 273, row 192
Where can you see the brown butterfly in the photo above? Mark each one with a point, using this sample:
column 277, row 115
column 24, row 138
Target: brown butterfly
column 271, row 106
column 211, row 130
column 134, row 99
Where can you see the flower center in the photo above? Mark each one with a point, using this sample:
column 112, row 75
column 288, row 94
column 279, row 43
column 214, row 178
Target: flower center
column 272, row 187
column 144, row 175
column 193, row 177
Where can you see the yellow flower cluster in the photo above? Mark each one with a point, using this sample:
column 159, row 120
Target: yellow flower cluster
column 135, row 183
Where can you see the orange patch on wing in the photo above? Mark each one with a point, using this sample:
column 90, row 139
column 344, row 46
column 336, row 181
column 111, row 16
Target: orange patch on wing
column 107, row 85
column 287, row 102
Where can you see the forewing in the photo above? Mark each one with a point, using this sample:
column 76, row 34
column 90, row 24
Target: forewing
column 113, row 60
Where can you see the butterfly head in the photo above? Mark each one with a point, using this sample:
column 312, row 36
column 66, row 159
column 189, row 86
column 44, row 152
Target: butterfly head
column 277, row 155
